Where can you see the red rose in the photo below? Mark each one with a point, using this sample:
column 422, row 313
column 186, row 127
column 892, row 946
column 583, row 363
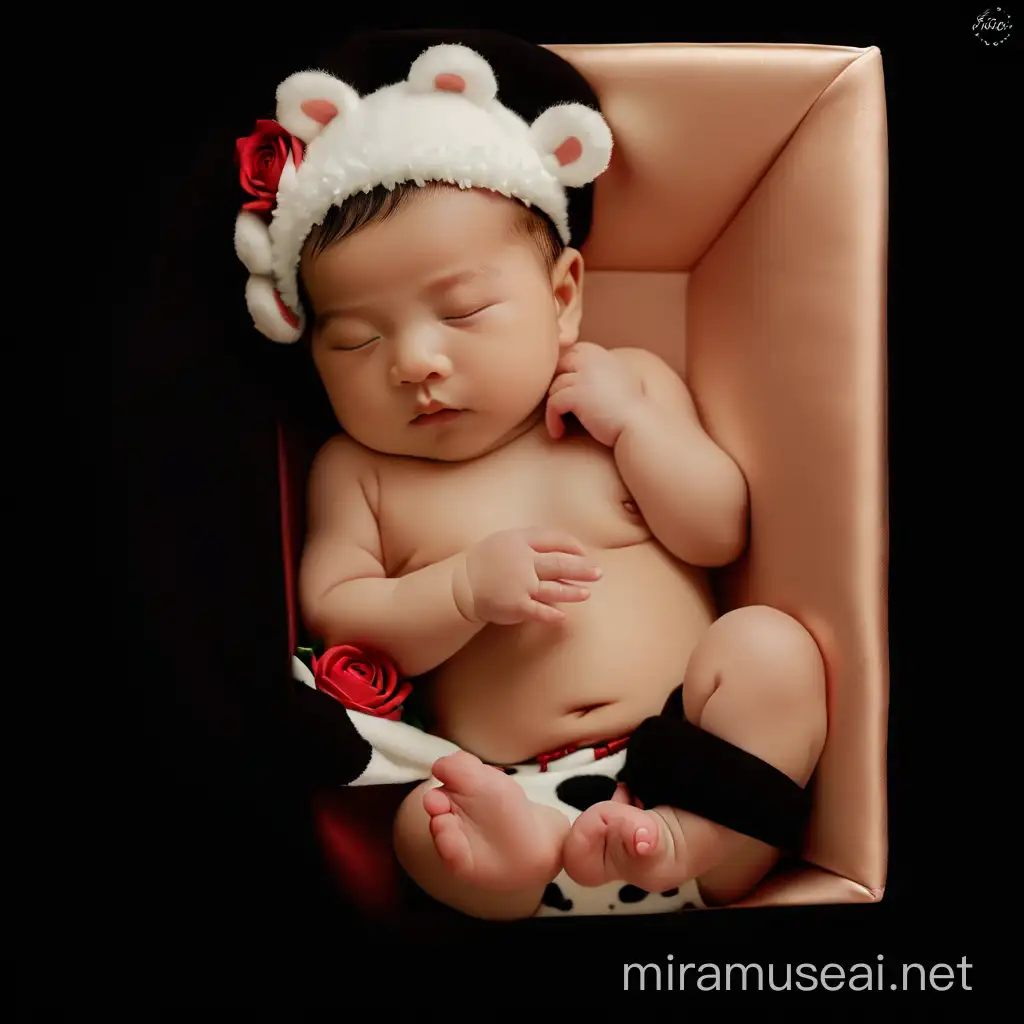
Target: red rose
column 261, row 158
column 361, row 681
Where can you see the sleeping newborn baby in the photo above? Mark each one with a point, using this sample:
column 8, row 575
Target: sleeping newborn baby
column 522, row 520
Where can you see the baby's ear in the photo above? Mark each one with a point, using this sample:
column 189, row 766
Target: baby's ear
column 308, row 101
column 576, row 140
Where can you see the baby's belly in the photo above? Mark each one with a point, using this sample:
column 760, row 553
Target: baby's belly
column 518, row 691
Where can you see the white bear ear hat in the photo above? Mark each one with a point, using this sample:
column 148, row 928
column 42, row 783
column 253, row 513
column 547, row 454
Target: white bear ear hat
column 443, row 123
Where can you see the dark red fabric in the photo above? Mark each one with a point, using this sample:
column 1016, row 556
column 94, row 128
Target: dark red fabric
column 355, row 828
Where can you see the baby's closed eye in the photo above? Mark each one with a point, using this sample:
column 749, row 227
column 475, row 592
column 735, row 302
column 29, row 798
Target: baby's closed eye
column 472, row 312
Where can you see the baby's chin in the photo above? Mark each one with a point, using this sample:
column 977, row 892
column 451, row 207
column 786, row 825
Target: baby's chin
column 468, row 440
column 451, row 449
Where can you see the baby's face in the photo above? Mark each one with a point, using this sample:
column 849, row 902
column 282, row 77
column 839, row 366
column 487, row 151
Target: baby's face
column 442, row 305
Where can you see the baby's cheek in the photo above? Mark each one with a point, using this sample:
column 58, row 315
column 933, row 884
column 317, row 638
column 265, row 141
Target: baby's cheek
column 526, row 383
column 356, row 405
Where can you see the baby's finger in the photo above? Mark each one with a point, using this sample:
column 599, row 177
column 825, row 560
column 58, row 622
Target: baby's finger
column 541, row 612
column 568, row 360
column 544, row 538
column 563, row 380
column 558, row 566
column 557, row 406
column 549, row 592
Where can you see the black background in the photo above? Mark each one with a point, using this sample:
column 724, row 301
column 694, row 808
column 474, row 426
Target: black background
column 169, row 852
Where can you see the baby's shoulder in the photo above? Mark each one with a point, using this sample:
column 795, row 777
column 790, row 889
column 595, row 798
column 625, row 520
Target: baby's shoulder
column 343, row 463
column 340, row 454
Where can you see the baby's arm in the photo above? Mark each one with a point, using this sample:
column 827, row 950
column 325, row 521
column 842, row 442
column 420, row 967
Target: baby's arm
column 691, row 493
column 344, row 591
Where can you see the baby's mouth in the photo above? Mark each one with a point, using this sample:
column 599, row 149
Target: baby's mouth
column 436, row 413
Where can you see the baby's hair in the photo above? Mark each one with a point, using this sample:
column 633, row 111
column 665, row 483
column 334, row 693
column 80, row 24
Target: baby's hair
column 372, row 207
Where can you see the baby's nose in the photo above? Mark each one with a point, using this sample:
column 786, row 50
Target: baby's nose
column 415, row 363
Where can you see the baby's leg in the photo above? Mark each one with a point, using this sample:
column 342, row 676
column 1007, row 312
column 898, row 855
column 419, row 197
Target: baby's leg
column 476, row 843
column 757, row 681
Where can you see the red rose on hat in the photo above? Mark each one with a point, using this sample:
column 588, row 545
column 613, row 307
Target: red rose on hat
column 261, row 158
column 361, row 681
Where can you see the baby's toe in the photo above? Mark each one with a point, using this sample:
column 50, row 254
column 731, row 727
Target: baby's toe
column 436, row 801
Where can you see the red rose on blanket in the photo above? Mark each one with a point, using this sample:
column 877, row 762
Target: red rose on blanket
column 361, row 681
column 261, row 158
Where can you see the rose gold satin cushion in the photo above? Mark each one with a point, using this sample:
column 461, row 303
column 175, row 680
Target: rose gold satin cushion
column 741, row 234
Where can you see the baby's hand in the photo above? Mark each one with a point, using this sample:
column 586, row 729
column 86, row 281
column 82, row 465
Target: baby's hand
column 517, row 575
column 597, row 388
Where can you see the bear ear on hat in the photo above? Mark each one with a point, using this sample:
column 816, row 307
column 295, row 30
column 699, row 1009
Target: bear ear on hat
column 252, row 243
column 576, row 140
column 454, row 69
column 308, row 101
column 272, row 318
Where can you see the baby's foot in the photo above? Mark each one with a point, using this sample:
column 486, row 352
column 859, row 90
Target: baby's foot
column 486, row 830
column 618, row 842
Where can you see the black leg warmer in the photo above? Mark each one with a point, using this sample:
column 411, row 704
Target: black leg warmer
column 670, row 762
